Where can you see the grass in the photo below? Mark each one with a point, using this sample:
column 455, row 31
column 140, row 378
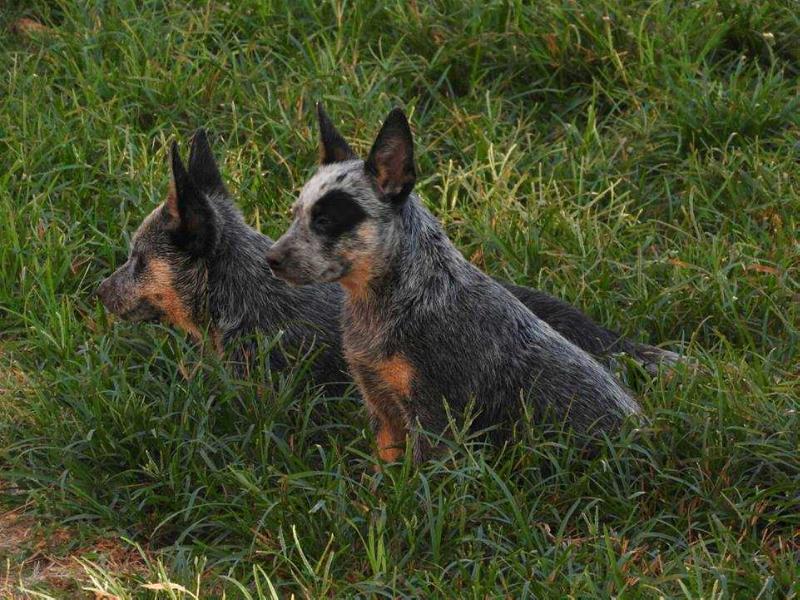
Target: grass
column 639, row 159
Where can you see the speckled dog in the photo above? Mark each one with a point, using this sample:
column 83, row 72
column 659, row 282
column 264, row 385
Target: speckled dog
column 421, row 325
column 196, row 264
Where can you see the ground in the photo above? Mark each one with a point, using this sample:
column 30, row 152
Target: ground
column 639, row 159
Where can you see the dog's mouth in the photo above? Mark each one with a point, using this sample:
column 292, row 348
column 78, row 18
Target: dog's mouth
column 299, row 276
column 143, row 312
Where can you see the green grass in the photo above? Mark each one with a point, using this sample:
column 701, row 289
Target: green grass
column 639, row 159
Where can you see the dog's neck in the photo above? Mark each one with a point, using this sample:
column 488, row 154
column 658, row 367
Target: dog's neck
column 240, row 286
column 418, row 266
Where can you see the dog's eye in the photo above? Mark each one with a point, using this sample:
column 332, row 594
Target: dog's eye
column 323, row 221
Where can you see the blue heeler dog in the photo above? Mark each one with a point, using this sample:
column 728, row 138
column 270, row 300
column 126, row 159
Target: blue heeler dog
column 196, row 264
column 421, row 325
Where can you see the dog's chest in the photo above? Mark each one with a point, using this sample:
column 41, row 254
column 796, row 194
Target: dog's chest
column 364, row 330
column 379, row 369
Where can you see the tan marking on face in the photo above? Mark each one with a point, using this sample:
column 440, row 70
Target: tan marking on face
column 159, row 290
column 362, row 262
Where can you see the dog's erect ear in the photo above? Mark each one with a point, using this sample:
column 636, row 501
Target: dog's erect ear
column 196, row 225
column 332, row 147
column 391, row 160
column 202, row 166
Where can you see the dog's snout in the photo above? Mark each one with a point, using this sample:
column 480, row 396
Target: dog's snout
column 108, row 294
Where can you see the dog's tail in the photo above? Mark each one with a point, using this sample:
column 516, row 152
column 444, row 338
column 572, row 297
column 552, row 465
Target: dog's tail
column 595, row 339
column 652, row 358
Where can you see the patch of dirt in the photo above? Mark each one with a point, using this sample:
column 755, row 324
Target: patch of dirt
column 12, row 378
column 33, row 556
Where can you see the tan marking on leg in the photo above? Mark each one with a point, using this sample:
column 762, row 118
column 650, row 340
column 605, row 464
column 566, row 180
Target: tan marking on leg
column 391, row 443
column 386, row 397
column 357, row 280
column 391, row 429
column 397, row 373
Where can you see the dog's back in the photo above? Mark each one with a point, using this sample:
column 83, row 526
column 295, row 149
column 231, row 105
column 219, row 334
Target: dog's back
column 421, row 325
column 466, row 337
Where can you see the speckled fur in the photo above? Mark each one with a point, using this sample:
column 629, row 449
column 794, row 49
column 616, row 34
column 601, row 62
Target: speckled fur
column 231, row 294
column 460, row 335
column 222, row 283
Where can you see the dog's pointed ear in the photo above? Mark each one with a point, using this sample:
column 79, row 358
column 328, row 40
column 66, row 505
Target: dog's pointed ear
column 195, row 221
column 332, row 146
column 391, row 160
column 202, row 167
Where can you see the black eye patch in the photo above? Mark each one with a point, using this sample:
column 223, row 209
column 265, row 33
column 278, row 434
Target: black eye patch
column 335, row 214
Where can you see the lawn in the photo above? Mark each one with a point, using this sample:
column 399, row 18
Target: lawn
column 638, row 159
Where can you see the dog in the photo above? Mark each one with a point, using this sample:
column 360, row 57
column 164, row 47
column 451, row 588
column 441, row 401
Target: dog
column 420, row 324
column 196, row 264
